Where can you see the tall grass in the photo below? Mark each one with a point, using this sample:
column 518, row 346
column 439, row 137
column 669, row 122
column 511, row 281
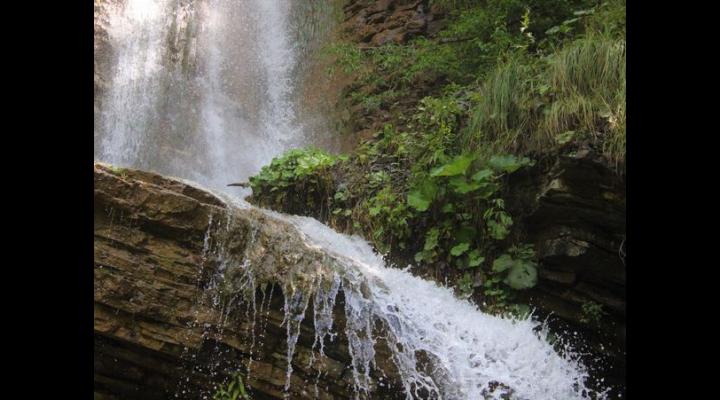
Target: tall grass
column 502, row 116
column 522, row 107
column 589, row 80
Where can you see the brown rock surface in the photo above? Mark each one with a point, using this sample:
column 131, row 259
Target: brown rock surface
column 387, row 21
column 169, row 314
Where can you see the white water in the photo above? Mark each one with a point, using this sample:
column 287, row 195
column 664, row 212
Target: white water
column 217, row 108
column 203, row 89
column 469, row 349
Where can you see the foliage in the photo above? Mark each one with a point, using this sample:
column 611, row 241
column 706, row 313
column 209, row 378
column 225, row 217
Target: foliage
column 577, row 93
column 592, row 313
column 119, row 171
column 518, row 266
column 347, row 57
column 234, row 390
column 589, row 78
column 503, row 83
column 298, row 179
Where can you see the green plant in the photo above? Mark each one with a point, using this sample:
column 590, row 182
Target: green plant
column 119, row 171
column 505, row 81
column 455, row 194
column 465, row 286
column 347, row 57
column 387, row 219
column 518, row 267
column 592, row 313
column 234, row 390
column 576, row 93
column 589, row 78
column 300, row 178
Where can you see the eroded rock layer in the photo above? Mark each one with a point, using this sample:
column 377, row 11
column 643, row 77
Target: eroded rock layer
column 176, row 314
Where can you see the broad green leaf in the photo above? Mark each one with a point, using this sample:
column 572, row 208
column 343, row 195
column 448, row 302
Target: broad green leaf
column 475, row 258
column 457, row 166
column 461, row 186
column 507, row 163
column 448, row 208
column 487, row 190
column 422, row 195
column 497, row 231
column 502, row 263
column 417, row 201
column 522, row 275
column 459, row 249
column 431, row 239
column 419, row 256
column 482, row 175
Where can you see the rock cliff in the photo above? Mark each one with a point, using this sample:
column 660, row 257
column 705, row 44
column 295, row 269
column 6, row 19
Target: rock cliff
column 176, row 314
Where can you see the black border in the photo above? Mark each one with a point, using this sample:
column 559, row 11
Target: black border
column 49, row 257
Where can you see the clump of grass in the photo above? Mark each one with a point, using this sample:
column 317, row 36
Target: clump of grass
column 502, row 115
column 588, row 77
column 580, row 89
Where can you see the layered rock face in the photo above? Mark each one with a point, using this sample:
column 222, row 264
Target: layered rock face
column 374, row 23
column 176, row 313
column 571, row 207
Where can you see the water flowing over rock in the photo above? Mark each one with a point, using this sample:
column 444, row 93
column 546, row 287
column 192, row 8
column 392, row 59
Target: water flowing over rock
column 204, row 89
column 190, row 287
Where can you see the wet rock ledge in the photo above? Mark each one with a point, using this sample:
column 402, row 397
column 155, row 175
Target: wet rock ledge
column 167, row 326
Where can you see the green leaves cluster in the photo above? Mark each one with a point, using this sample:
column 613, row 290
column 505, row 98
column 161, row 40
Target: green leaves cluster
column 299, row 179
column 234, row 390
column 518, row 267
column 291, row 166
column 454, row 195
column 504, row 79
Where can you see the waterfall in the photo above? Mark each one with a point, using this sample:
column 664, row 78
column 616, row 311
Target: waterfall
column 200, row 89
column 442, row 347
column 472, row 355
column 204, row 90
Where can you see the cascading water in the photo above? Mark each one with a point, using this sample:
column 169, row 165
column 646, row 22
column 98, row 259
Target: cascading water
column 204, row 90
column 442, row 347
column 471, row 352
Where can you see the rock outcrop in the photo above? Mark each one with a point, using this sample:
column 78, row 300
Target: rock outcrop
column 571, row 207
column 375, row 23
column 175, row 312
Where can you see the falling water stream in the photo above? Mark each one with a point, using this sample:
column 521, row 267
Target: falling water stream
column 205, row 90
column 202, row 89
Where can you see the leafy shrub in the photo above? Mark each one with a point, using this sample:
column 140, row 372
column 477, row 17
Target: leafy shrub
column 298, row 181
column 454, row 195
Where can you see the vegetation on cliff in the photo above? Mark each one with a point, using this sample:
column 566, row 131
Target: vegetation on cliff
column 503, row 84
